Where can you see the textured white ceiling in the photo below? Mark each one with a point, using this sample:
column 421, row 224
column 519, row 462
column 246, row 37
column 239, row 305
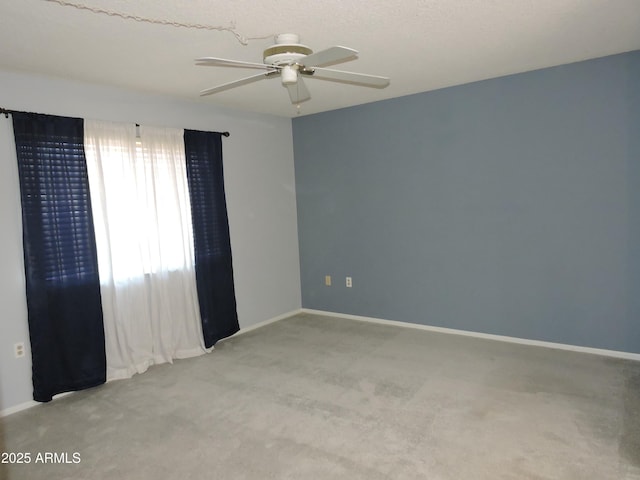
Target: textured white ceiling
column 420, row 44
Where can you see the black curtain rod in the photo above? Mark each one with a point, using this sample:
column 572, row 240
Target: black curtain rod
column 6, row 112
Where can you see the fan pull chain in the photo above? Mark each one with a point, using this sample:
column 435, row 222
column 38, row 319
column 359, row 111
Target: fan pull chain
column 241, row 38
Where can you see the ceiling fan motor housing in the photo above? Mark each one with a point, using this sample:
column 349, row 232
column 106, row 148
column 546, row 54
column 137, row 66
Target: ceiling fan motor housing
column 286, row 51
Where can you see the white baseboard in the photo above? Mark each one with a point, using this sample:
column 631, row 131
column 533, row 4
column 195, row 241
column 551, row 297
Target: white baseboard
column 266, row 322
column 487, row 336
column 451, row 331
column 17, row 408
column 31, row 403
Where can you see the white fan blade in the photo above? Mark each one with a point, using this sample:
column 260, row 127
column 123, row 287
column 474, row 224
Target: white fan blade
column 365, row 80
column 235, row 83
column 329, row 56
column 223, row 62
column 298, row 92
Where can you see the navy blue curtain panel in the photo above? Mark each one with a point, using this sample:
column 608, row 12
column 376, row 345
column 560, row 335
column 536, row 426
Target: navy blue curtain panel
column 61, row 267
column 214, row 269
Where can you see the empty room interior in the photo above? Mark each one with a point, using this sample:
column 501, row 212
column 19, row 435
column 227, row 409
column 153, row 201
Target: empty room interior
column 284, row 240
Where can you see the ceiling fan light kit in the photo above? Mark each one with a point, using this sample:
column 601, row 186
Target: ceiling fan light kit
column 289, row 75
column 290, row 59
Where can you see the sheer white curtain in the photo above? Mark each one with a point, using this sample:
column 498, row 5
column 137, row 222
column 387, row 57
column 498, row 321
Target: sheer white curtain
column 142, row 219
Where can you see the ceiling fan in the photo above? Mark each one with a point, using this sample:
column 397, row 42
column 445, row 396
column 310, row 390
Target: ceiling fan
column 291, row 61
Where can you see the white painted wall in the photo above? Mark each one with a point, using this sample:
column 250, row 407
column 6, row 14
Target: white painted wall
column 259, row 183
column 15, row 374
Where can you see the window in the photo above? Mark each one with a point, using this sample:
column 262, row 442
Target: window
column 141, row 199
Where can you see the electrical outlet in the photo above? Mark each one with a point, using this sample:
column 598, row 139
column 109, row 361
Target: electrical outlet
column 349, row 282
column 327, row 280
column 18, row 350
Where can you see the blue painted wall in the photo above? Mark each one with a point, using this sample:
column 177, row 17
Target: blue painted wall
column 509, row 206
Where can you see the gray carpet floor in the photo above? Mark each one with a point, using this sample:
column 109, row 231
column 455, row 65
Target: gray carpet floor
column 329, row 398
